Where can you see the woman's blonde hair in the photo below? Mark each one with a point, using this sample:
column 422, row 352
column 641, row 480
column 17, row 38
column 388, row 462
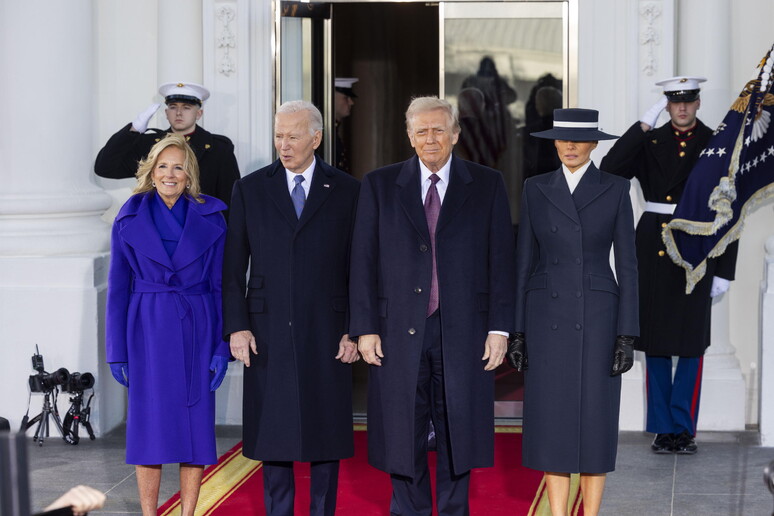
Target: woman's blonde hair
column 144, row 173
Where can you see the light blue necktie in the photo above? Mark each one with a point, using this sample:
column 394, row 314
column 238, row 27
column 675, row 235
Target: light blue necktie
column 298, row 196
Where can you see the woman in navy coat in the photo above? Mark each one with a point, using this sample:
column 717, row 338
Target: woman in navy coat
column 575, row 319
column 163, row 320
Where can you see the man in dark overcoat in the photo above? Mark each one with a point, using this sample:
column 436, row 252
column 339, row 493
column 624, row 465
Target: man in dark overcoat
column 432, row 301
column 218, row 167
column 672, row 322
column 291, row 223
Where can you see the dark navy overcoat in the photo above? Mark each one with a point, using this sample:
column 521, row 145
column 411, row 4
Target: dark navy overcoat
column 297, row 396
column 390, row 288
column 571, row 308
column 163, row 319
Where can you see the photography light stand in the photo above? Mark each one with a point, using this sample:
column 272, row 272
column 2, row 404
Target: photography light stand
column 49, row 410
column 76, row 415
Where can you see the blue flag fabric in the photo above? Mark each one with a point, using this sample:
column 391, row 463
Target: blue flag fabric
column 733, row 174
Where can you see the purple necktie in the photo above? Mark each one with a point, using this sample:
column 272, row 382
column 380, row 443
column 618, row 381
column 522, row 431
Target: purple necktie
column 432, row 210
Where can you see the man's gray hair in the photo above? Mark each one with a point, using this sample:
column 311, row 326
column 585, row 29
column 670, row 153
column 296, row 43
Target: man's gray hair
column 296, row 106
column 424, row 104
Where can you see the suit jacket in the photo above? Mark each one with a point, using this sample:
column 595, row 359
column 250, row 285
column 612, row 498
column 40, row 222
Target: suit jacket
column 297, row 397
column 218, row 167
column 389, row 292
column 570, row 307
column 672, row 322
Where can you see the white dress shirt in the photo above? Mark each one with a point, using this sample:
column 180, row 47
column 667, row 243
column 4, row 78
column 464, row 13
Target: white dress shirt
column 306, row 183
column 573, row 178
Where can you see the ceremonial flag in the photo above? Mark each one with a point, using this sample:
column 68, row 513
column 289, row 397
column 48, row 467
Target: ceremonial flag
column 733, row 174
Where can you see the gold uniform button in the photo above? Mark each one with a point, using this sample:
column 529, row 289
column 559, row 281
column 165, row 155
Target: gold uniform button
column 661, row 253
column 663, row 224
column 207, row 145
column 668, row 198
column 682, row 154
column 683, row 145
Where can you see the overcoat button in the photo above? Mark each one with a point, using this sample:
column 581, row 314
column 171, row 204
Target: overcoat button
column 412, row 331
column 556, row 261
column 423, row 248
column 417, row 290
column 578, row 294
column 661, row 253
column 554, row 294
column 554, row 229
column 554, row 326
column 578, row 261
column 577, row 228
column 578, row 326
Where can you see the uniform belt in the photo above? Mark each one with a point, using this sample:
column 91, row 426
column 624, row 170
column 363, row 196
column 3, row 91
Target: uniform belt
column 660, row 207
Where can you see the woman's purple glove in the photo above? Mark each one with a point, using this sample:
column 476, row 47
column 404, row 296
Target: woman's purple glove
column 218, row 365
column 120, row 371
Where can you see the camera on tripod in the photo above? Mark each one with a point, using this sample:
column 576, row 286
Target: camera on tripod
column 48, row 384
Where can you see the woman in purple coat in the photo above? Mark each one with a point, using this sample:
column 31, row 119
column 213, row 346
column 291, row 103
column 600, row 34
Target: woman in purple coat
column 164, row 320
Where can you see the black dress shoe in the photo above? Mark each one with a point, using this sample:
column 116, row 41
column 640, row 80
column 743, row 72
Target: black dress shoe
column 685, row 444
column 663, row 443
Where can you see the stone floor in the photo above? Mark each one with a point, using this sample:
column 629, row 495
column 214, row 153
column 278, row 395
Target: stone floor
column 724, row 479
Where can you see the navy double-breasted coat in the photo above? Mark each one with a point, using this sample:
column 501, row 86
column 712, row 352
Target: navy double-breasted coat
column 297, row 397
column 389, row 293
column 163, row 319
column 571, row 307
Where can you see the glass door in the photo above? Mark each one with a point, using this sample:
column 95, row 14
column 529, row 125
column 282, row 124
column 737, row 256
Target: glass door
column 507, row 66
column 303, row 60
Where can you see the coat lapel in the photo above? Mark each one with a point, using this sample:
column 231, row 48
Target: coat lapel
column 410, row 196
column 589, row 188
column 140, row 233
column 457, row 192
column 199, row 234
column 323, row 183
column 278, row 191
column 558, row 193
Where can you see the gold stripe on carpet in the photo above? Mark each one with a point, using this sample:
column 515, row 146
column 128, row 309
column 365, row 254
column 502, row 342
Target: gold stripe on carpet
column 220, row 483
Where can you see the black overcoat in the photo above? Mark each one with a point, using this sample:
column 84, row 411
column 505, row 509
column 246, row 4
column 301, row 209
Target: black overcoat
column 297, row 397
column 571, row 308
column 389, row 292
column 672, row 322
column 218, row 167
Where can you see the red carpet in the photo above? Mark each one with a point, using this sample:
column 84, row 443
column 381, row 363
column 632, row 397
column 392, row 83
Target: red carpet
column 235, row 485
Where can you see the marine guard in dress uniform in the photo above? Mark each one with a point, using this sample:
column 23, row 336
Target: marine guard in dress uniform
column 343, row 102
column 671, row 322
column 217, row 164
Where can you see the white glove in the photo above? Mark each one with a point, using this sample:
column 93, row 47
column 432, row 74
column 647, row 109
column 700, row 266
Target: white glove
column 719, row 285
column 140, row 123
column 651, row 115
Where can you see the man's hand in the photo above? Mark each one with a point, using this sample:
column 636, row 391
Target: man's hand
column 140, row 124
column 649, row 119
column 81, row 499
column 370, row 348
column 494, row 350
column 347, row 350
column 240, row 343
column 719, row 286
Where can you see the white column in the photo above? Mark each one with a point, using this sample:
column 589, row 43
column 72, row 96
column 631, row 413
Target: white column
column 52, row 241
column 704, row 49
column 180, row 41
column 766, row 400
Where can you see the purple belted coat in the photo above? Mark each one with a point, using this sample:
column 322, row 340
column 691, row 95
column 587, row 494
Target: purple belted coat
column 164, row 320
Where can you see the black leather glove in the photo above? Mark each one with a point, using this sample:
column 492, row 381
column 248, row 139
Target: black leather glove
column 623, row 355
column 517, row 352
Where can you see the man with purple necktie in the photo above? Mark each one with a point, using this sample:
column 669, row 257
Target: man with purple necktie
column 432, row 300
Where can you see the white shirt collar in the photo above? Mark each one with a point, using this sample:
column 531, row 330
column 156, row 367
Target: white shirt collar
column 307, row 178
column 573, row 178
column 440, row 186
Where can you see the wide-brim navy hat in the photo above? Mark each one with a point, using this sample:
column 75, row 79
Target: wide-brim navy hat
column 575, row 125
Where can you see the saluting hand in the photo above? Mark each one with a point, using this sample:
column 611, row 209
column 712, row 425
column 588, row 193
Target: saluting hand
column 370, row 348
column 347, row 350
column 241, row 343
column 494, row 350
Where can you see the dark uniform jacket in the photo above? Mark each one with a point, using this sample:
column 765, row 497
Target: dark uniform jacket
column 672, row 322
column 297, row 396
column 218, row 167
column 570, row 307
column 390, row 289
